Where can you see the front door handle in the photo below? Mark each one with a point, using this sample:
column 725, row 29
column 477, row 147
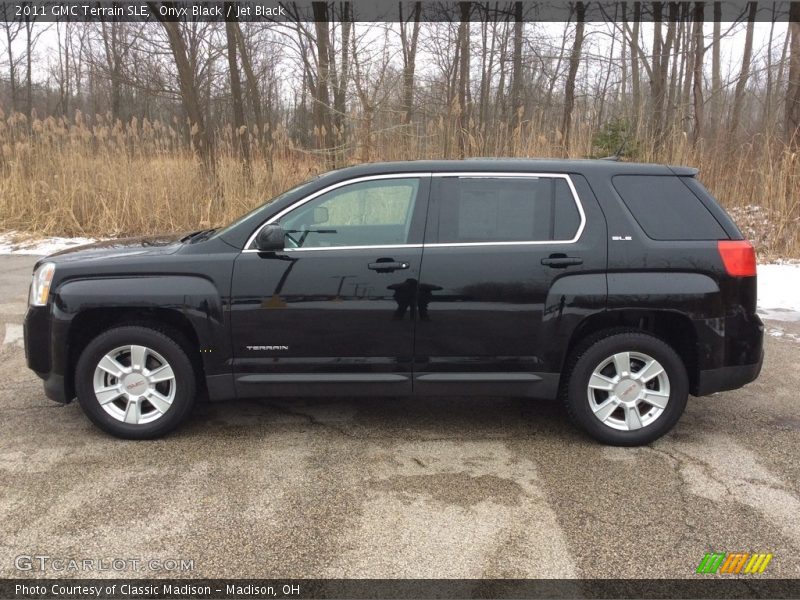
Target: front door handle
column 561, row 261
column 387, row 265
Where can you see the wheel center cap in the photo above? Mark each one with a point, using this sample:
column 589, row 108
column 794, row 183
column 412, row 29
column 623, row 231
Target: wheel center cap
column 134, row 383
column 627, row 390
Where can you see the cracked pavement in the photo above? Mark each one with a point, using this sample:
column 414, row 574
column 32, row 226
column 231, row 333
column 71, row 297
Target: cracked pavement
column 491, row 488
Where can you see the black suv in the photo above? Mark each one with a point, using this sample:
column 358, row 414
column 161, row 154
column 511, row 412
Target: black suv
column 619, row 287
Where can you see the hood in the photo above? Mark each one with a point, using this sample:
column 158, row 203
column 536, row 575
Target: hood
column 143, row 246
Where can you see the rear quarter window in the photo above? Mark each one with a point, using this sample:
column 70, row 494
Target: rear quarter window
column 666, row 209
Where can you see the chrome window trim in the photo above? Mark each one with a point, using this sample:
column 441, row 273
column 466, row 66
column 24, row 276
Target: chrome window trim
column 460, row 174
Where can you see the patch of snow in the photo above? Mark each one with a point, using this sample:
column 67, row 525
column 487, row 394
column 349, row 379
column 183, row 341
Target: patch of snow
column 778, row 332
column 779, row 291
column 13, row 335
column 11, row 243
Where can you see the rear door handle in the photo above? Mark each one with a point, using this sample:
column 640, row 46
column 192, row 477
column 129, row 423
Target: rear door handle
column 387, row 265
column 561, row 261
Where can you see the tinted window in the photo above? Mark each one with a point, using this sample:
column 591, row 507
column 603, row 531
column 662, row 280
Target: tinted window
column 666, row 208
column 368, row 213
column 485, row 209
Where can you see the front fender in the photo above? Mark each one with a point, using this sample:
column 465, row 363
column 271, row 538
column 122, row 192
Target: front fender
column 194, row 298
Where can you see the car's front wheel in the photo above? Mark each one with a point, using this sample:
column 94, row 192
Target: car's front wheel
column 135, row 382
column 626, row 388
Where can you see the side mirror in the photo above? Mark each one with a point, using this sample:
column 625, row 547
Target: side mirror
column 271, row 238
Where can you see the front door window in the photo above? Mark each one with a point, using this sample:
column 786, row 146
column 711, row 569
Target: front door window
column 368, row 213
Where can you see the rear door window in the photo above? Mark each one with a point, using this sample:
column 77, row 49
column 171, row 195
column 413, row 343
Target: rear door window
column 666, row 209
column 507, row 209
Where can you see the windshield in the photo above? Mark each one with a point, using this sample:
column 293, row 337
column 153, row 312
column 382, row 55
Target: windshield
column 254, row 213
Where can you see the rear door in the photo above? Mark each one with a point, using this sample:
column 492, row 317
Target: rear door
column 511, row 263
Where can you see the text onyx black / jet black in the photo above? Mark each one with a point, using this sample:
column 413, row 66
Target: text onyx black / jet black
column 622, row 288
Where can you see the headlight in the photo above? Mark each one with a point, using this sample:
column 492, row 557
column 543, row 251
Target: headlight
column 40, row 286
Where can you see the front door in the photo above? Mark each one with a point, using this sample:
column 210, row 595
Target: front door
column 335, row 312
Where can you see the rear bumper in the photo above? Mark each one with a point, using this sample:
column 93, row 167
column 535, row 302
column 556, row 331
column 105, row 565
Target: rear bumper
column 727, row 378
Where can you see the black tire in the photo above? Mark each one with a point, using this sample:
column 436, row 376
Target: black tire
column 166, row 344
column 591, row 354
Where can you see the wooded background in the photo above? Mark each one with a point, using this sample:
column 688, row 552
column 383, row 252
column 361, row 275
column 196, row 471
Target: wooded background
column 114, row 128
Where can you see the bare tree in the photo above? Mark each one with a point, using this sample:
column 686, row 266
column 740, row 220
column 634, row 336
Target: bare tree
column 190, row 93
column 574, row 61
column 793, row 89
column 408, row 44
column 322, row 120
column 11, row 28
column 741, row 84
column 369, row 79
column 241, row 140
column 464, row 113
column 697, row 89
column 252, row 85
column 516, row 70
column 716, row 76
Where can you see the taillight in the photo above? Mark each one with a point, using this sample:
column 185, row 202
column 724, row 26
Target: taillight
column 738, row 256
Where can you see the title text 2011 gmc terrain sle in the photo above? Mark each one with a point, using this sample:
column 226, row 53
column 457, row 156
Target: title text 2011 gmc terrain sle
column 621, row 288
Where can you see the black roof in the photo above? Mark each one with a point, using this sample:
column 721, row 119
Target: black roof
column 524, row 165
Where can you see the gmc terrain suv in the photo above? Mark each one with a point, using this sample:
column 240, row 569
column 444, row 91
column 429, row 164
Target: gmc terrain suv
column 620, row 288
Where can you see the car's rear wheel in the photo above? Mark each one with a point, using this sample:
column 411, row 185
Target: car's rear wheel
column 626, row 388
column 135, row 382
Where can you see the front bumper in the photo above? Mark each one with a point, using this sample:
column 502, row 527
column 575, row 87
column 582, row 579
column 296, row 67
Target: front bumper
column 727, row 378
column 55, row 387
column 37, row 329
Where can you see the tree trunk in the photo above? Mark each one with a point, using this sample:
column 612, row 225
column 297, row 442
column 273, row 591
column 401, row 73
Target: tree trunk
column 672, row 94
column 716, row 69
column 322, row 122
column 767, row 114
column 672, row 41
column 252, row 89
column 409, row 46
column 657, row 79
column 29, row 81
column 741, row 84
column 500, row 95
column 189, row 93
column 12, row 69
column 793, row 89
column 574, row 62
column 487, row 69
column 340, row 90
column 686, row 89
column 241, row 137
column 462, row 121
column 699, row 50
column 634, row 48
column 516, row 74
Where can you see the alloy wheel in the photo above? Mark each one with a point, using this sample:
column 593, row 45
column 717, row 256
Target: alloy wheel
column 134, row 384
column 628, row 391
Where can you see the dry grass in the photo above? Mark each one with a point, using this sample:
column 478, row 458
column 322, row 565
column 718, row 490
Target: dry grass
column 60, row 177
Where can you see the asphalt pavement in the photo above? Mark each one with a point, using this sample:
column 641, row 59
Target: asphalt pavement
column 490, row 488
